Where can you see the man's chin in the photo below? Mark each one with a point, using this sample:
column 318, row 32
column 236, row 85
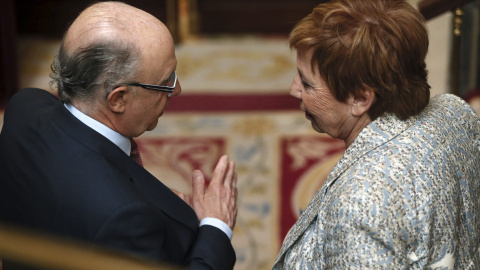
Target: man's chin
column 152, row 126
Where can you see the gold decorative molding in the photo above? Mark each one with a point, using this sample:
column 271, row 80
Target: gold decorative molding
column 457, row 21
column 40, row 251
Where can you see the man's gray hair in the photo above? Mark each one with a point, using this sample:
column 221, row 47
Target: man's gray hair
column 98, row 67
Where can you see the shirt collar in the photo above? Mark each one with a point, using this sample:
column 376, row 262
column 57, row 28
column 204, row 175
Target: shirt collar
column 119, row 140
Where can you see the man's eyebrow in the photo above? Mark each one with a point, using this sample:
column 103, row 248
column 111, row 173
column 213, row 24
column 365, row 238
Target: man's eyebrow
column 168, row 78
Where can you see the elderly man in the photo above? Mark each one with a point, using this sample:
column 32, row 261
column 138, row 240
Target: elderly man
column 66, row 166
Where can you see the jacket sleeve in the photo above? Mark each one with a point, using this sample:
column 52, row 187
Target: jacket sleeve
column 144, row 231
column 213, row 244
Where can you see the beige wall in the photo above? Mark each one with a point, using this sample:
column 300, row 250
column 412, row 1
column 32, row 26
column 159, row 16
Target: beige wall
column 439, row 51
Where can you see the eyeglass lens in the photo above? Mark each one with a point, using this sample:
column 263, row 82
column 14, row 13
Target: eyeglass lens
column 171, row 79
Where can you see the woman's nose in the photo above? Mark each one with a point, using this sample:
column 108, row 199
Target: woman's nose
column 295, row 90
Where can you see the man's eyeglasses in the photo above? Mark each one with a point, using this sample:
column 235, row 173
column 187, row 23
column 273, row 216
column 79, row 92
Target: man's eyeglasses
column 168, row 88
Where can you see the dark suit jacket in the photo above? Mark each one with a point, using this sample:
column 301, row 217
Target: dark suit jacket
column 62, row 177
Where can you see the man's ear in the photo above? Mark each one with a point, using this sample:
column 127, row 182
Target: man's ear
column 116, row 100
column 361, row 104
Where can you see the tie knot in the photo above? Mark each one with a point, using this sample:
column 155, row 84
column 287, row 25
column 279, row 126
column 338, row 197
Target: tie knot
column 135, row 152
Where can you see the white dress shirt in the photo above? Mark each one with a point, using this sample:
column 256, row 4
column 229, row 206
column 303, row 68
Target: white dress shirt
column 124, row 143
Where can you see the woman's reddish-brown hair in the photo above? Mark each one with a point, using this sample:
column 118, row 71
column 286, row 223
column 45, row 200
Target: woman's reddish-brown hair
column 369, row 44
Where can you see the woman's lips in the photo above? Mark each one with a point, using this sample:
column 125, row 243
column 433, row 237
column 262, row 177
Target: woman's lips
column 308, row 116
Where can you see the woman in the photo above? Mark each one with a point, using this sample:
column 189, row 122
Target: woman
column 405, row 193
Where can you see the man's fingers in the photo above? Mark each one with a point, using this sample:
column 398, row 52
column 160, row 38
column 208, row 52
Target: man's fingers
column 198, row 184
column 219, row 199
column 234, row 218
column 229, row 176
column 233, row 201
column 234, row 186
column 219, row 171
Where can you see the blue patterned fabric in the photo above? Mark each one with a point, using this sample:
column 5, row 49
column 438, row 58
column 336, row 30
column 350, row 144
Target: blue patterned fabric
column 405, row 195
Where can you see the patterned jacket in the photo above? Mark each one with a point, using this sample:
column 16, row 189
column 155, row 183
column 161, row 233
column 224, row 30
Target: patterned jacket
column 405, row 195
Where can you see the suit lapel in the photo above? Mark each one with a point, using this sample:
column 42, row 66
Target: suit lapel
column 301, row 225
column 161, row 196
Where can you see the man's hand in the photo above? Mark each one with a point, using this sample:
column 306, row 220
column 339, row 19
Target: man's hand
column 219, row 199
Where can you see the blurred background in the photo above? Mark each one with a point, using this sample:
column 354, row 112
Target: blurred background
column 235, row 69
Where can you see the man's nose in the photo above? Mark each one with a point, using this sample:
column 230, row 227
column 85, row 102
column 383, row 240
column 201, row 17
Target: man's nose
column 178, row 88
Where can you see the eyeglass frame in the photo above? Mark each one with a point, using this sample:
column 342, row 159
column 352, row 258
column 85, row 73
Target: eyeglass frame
column 161, row 88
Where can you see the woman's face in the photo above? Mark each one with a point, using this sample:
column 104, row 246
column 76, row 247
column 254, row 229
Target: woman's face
column 326, row 114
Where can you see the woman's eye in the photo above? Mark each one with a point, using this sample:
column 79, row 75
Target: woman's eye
column 306, row 85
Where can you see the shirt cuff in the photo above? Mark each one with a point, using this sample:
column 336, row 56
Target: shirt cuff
column 217, row 223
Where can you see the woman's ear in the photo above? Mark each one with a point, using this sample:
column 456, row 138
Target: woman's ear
column 361, row 104
column 116, row 100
